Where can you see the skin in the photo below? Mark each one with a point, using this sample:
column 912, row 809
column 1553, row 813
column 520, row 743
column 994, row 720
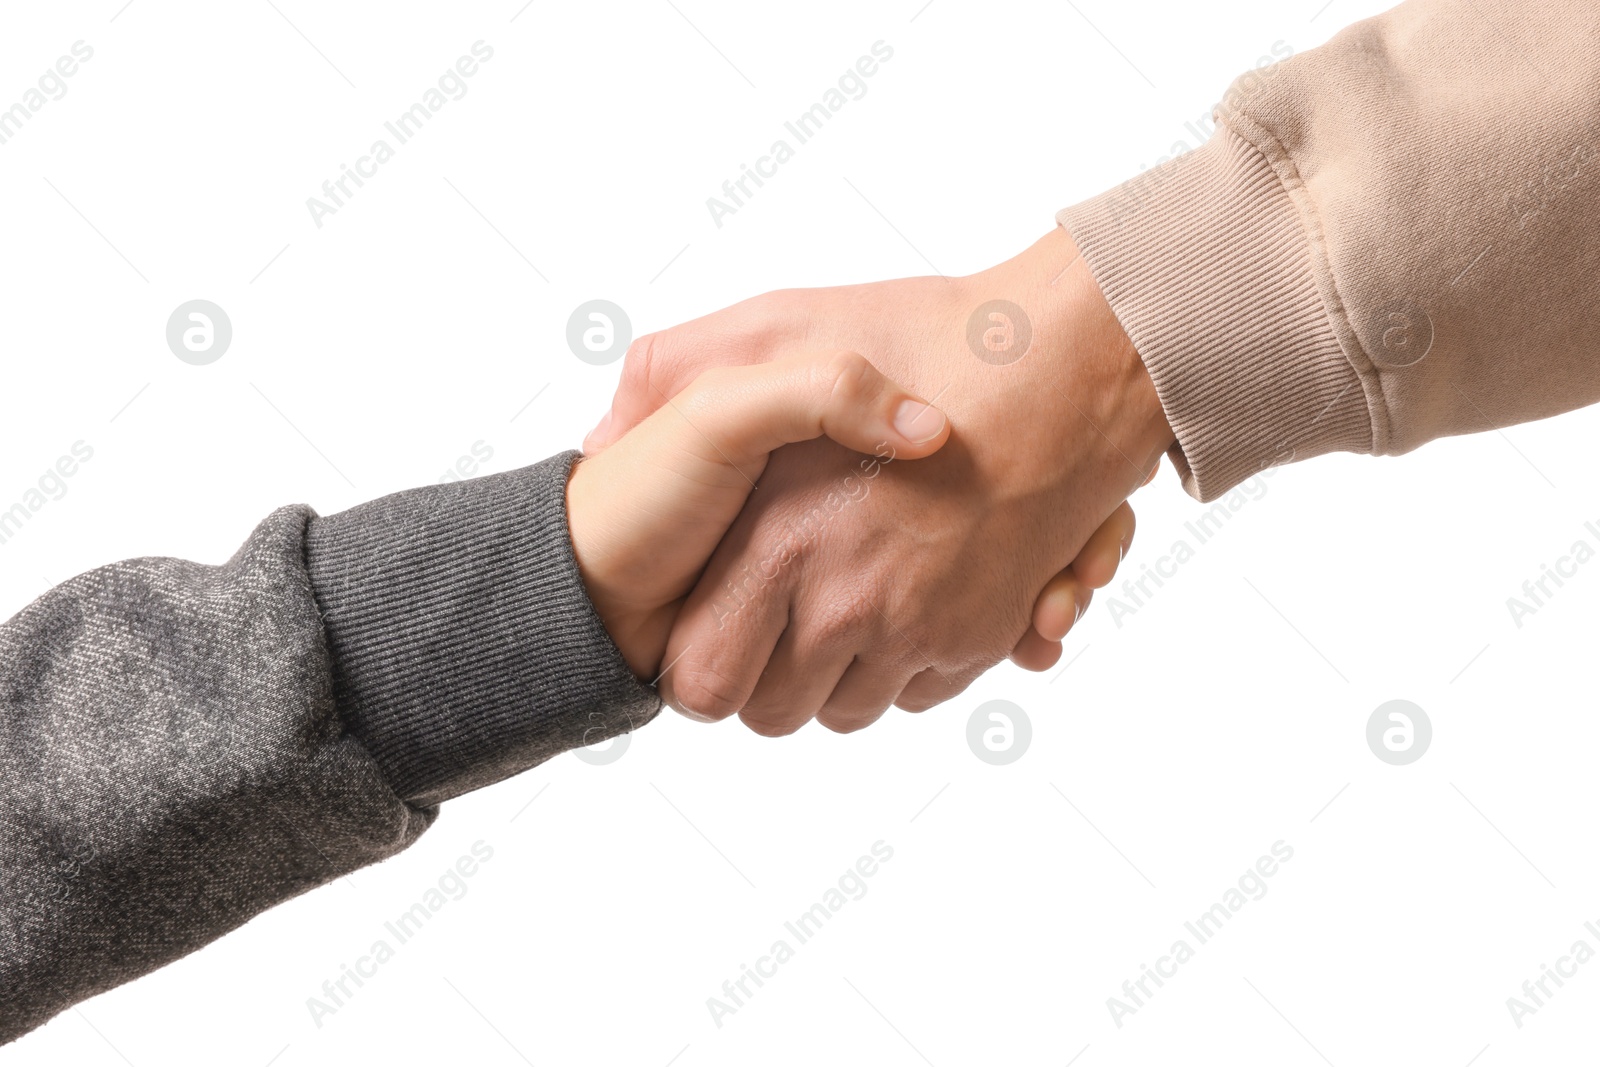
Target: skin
column 841, row 587
column 646, row 515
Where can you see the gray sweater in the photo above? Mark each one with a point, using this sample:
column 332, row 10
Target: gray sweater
column 184, row 746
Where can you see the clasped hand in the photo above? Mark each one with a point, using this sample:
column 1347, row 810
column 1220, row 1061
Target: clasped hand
column 819, row 503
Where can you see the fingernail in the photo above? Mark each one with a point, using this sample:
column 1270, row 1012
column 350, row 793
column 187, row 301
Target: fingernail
column 599, row 429
column 918, row 422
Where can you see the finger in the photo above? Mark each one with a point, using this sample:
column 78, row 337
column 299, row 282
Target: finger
column 718, row 647
column 740, row 606
column 1035, row 652
column 741, row 414
column 647, row 381
column 1097, row 562
column 595, row 441
column 660, row 365
column 1059, row 607
column 863, row 694
column 1066, row 597
column 797, row 682
column 929, row 688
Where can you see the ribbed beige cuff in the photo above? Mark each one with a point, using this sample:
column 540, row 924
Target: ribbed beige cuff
column 1206, row 262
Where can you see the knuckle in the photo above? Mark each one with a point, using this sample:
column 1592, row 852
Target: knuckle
column 929, row 689
column 765, row 316
column 765, row 706
column 645, row 363
column 706, row 691
column 750, row 331
column 920, row 694
column 846, row 624
column 920, row 645
column 845, row 376
column 636, row 362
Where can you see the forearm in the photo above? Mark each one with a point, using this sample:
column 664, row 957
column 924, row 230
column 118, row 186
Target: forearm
column 464, row 645
column 1388, row 240
column 184, row 746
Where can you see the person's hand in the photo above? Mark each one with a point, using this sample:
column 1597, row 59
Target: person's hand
column 1068, row 595
column 646, row 514
column 822, row 603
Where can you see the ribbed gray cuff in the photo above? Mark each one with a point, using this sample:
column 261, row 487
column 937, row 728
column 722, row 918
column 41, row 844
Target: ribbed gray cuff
column 465, row 648
column 1207, row 264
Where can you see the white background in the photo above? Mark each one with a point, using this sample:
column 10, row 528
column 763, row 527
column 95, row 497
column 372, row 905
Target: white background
column 1223, row 716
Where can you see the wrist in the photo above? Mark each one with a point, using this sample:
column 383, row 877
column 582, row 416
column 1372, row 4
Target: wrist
column 638, row 630
column 1140, row 419
column 468, row 589
column 1080, row 356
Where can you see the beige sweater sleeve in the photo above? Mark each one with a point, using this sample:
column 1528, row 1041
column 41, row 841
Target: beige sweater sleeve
column 1391, row 238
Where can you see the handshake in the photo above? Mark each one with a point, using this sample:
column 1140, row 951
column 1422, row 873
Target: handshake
column 818, row 503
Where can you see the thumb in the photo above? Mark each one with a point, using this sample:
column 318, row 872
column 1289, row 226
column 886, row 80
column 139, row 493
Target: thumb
column 647, row 512
column 743, row 413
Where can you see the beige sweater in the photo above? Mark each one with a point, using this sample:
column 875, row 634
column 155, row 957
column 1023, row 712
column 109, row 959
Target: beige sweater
column 1391, row 238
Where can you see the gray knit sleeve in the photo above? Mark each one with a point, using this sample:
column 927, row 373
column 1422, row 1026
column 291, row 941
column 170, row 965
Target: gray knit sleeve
column 184, row 746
